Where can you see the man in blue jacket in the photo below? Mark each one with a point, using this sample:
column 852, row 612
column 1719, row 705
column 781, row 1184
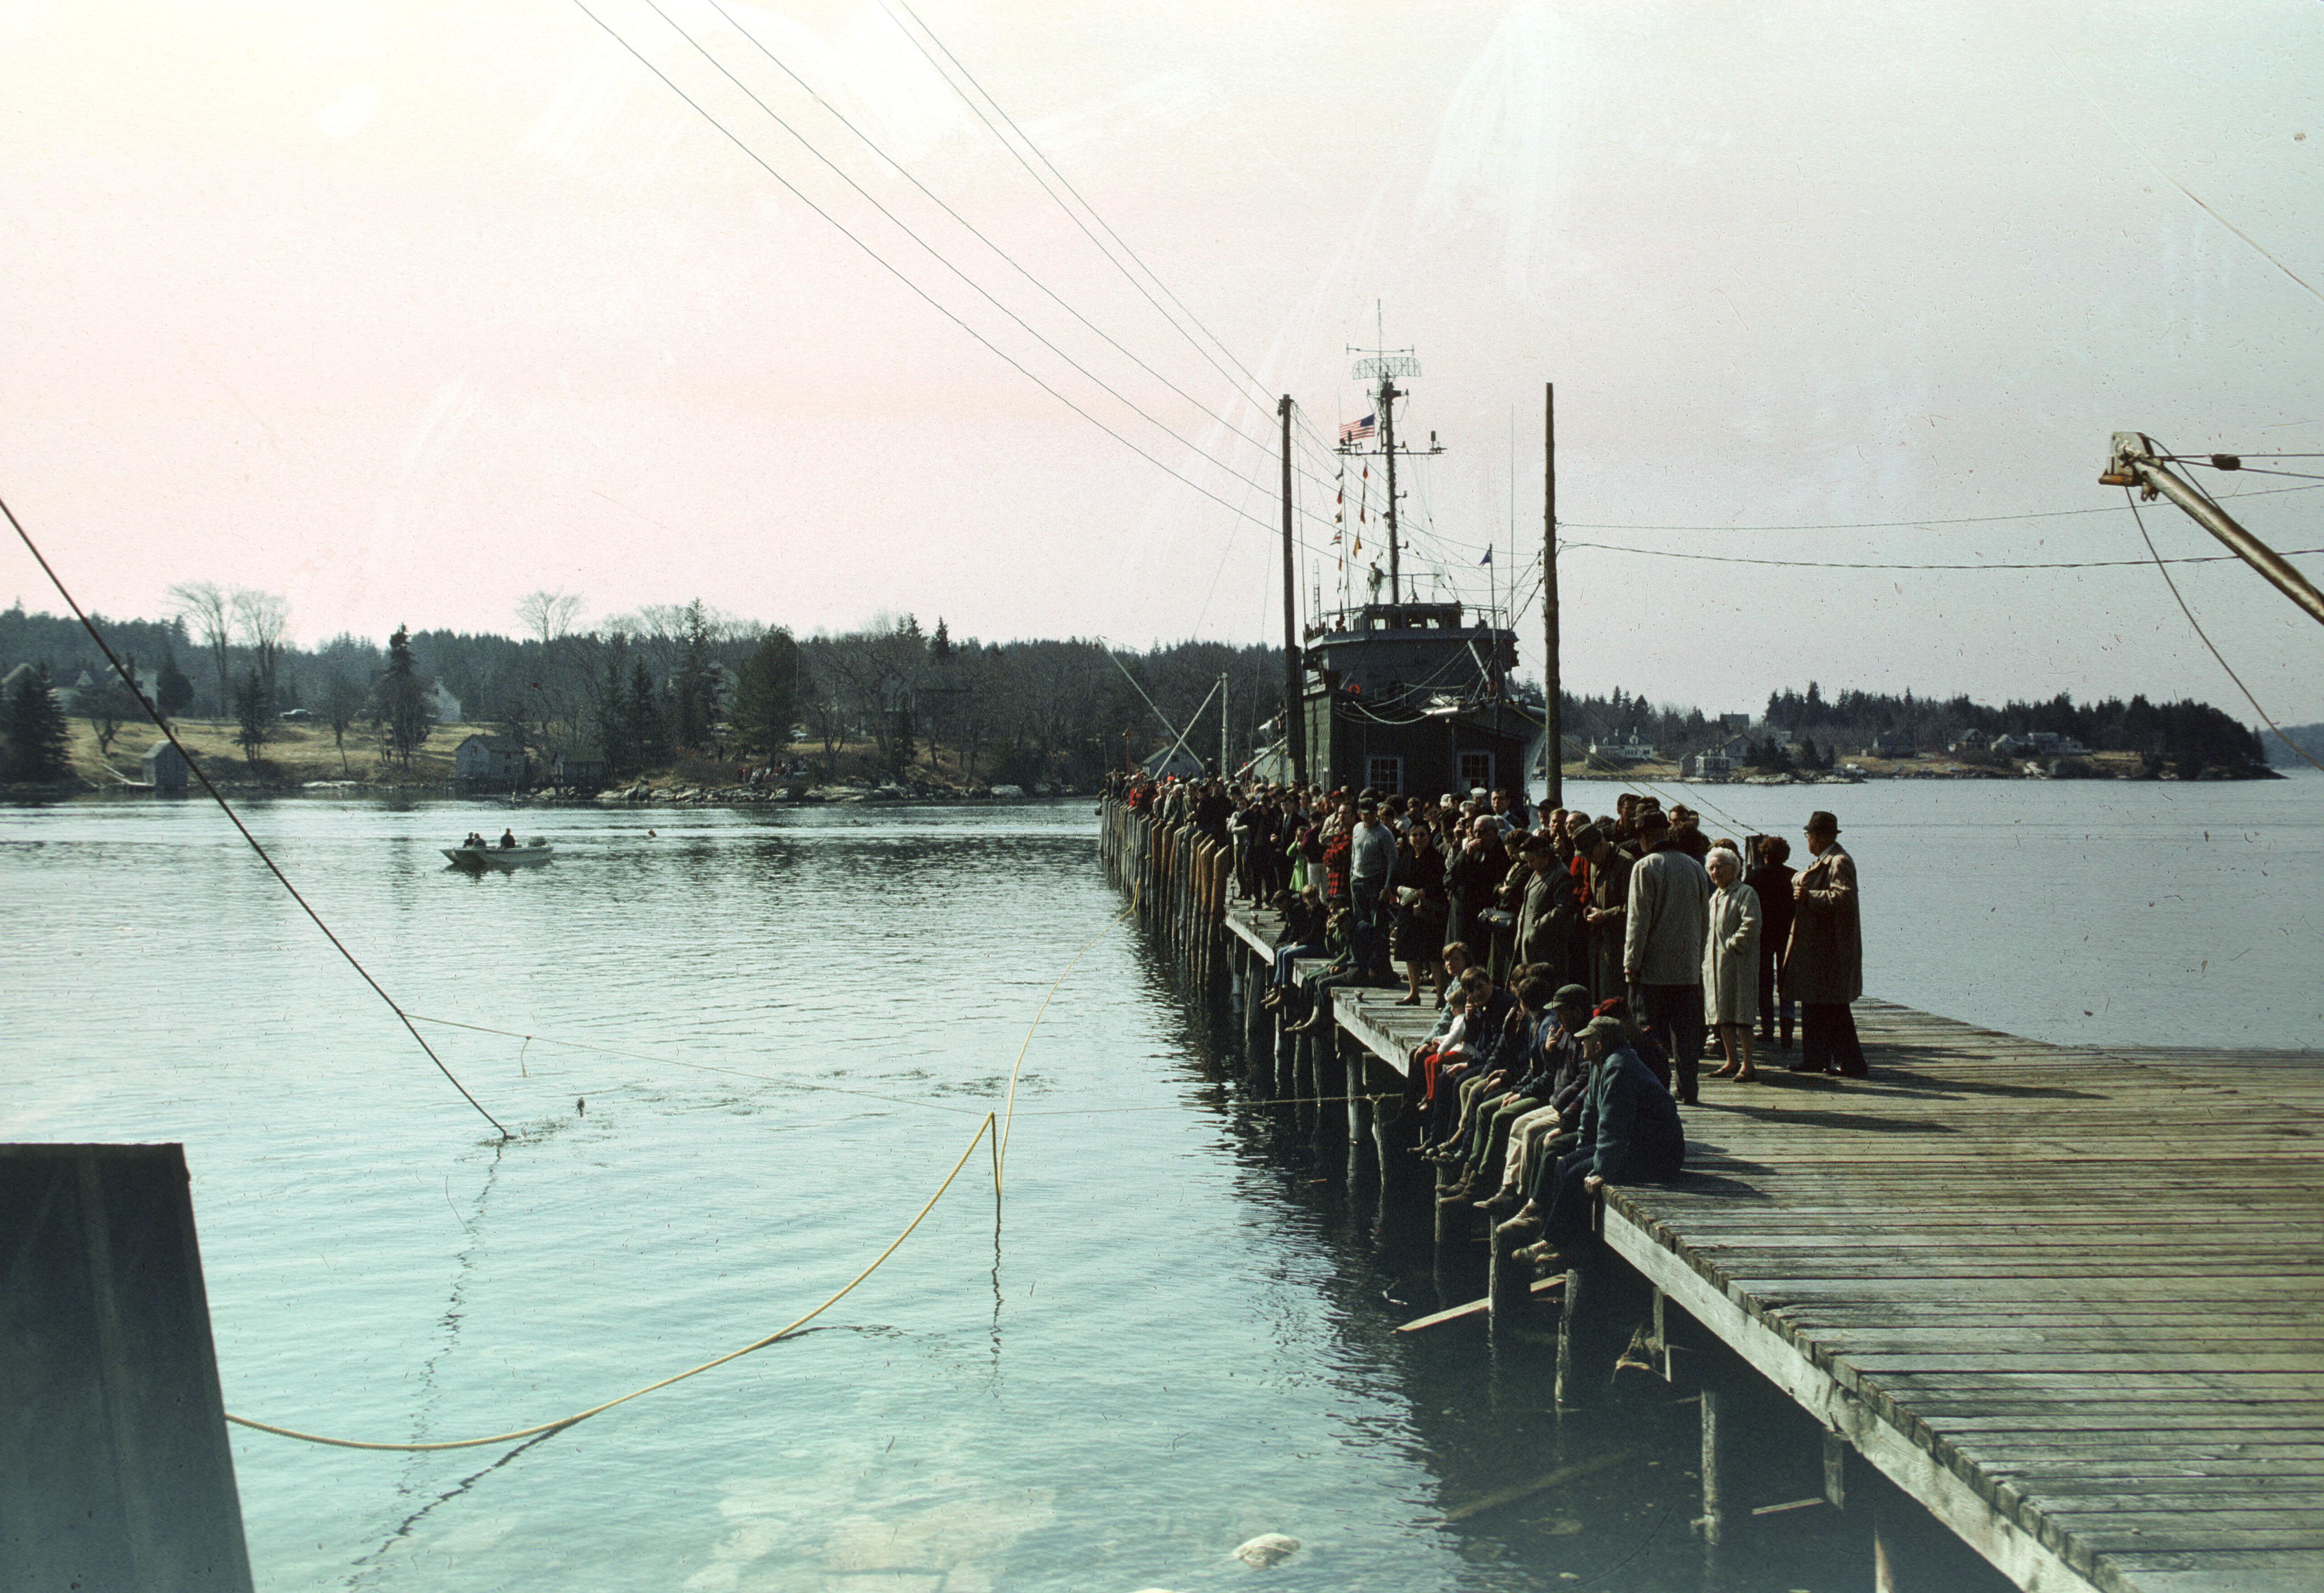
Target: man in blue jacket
column 1629, row 1134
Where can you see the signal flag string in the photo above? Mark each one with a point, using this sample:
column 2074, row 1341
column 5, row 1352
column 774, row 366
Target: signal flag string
column 235, row 819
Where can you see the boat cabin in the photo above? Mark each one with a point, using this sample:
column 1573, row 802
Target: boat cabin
column 1409, row 701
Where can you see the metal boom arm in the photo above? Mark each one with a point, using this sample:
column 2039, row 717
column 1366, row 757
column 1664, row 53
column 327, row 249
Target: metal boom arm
column 2132, row 462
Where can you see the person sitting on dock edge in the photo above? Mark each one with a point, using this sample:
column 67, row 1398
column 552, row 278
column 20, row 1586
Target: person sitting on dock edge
column 1630, row 1134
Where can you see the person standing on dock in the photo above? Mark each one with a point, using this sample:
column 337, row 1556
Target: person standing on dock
column 1610, row 897
column 1371, row 876
column 1668, row 917
column 1771, row 881
column 1824, row 967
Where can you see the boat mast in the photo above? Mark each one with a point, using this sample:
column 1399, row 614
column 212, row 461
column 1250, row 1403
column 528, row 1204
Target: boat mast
column 1385, row 366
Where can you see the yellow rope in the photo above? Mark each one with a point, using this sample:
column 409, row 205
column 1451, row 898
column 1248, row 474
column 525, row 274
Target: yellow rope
column 1008, row 1113
column 524, row 1433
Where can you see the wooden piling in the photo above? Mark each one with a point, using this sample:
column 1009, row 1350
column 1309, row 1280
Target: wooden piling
column 119, row 1474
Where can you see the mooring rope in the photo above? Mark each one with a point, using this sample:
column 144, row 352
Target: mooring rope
column 563, row 1421
column 235, row 819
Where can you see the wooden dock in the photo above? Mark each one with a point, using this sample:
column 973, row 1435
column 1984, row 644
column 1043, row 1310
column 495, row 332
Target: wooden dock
column 2070, row 1299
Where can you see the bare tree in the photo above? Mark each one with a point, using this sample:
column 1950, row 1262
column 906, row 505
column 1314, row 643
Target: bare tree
column 263, row 619
column 343, row 704
column 106, row 705
column 207, row 609
column 547, row 616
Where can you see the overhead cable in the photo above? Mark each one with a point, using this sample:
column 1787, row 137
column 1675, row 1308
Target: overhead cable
column 2181, row 600
column 1824, row 564
column 977, row 233
column 1565, row 524
column 938, row 257
column 884, row 265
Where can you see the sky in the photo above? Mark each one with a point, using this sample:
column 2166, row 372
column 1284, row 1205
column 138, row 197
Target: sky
column 825, row 311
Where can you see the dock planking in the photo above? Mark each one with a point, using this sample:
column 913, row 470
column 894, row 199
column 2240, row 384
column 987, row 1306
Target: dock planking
column 2069, row 1298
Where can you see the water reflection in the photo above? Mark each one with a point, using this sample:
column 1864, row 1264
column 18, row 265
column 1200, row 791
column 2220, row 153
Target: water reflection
column 1178, row 1333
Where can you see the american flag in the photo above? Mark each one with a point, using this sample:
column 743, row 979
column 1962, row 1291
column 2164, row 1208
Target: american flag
column 1357, row 430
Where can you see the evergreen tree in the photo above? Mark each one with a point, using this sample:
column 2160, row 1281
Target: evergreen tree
column 1808, row 758
column 766, row 701
column 174, row 689
column 940, row 643
column 39, row 739
column 250, row 715
column 694, row 688
column 399, row 703
column 643, row 724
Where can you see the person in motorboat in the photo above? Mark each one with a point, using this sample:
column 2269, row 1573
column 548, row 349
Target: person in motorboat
column 508, row 840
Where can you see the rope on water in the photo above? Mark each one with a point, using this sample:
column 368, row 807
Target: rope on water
column 643, row 1056
column 563, row 1421
column 1008, row 1113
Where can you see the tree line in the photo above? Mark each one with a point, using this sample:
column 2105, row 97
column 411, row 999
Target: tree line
column 670, row 681
column 648, row 688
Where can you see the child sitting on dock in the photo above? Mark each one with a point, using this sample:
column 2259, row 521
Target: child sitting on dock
column 1304, row 928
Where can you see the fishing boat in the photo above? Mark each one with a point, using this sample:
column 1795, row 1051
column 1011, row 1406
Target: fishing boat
column 1402, row 695
column 536, row 850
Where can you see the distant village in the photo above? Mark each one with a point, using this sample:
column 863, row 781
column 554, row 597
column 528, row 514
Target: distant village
column 1771, row 755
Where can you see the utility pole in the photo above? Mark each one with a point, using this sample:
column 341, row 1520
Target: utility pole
column 2132, row 462
column 1553, row 694
column 1295, row 729
column 1387, row 397
column 1226, row 770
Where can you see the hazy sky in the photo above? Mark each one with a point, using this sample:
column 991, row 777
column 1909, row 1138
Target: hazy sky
column 403, row 310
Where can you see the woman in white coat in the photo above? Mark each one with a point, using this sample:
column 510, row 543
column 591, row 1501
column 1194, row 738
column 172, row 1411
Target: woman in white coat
column 1730, row 964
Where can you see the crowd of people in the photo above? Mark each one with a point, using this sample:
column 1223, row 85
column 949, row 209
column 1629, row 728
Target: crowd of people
column 1580, row 966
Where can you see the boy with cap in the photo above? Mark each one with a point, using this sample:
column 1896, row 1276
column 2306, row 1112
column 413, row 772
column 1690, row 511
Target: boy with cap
column 1630, row 1134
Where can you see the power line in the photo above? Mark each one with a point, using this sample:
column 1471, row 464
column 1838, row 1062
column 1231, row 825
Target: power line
column 1896, row 524
column 1062, row 182
column 1070, row 213
column 2181, row 601
column 938, row 257
column 973, row 230
column 883, row 264
column 1821, row 564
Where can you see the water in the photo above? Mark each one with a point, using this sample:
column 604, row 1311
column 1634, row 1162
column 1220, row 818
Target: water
column 1175, row 1334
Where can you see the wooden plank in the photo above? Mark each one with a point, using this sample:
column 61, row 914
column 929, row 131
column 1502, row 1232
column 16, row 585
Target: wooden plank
column 1471, row 1308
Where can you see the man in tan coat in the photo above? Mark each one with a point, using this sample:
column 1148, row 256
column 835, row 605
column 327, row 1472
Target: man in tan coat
column 1823, row 969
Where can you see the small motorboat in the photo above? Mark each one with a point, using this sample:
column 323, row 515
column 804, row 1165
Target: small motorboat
column 492, row 855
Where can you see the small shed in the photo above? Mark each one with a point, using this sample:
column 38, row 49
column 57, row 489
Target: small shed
column 579, row 769
column 165, row 766
column 488, row 760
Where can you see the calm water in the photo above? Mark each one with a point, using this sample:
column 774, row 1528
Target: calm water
column 1175, row 1335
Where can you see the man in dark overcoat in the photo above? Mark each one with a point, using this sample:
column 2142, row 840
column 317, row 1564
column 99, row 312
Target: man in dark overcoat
column 1609, row 895
column 1823, row 964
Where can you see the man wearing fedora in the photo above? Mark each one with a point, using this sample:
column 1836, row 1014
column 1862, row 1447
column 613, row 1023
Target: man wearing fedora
column 1823, row 967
